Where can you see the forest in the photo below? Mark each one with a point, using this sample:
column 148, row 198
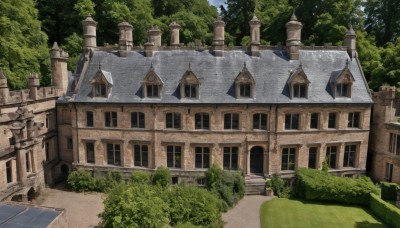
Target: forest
column 28, row 28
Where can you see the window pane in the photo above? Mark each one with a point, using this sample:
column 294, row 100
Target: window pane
column 332, row 120
column 107, row 119
column 170, row 156
column 398, row 145
column 134, row 122
column 303, row 90
column 187, row 91
column 90, row 152
column 227, row 121
column 145, row 154
column 114, row 119
column 264, row 121
column 314, row 121
column 137, row 155
column 168, row 120
column 9, row 172
column 234, row 158
column 256, row 121
column 198, row 160
column 312, row 157
column 89, row 119
column 206, row 121
column 177, row 157
column 206, row 157
column 177, row 120
column 193, row 91
column 295, row 121
column 288, row 120
column 110, row 154
column 141, row 120
column 197, row 121
column 235, row 121
column 292, row 159
column 227, row 157
column 296, row 90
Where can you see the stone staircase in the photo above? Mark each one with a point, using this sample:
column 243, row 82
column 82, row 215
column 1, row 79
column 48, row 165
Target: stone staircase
column 255, row 185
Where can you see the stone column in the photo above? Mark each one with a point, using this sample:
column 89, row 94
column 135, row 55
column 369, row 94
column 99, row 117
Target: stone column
column 174, row 27
column 255, row 36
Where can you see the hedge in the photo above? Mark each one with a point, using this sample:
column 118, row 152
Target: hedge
column 387, row 212
column 316, row 185
column 389, row 191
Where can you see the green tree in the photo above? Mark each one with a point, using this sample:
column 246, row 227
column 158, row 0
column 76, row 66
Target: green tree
column 23, row 46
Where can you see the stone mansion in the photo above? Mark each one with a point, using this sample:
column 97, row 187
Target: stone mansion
column 258, row 109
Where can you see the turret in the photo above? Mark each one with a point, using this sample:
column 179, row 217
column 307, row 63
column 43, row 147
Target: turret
column 350, row 42
column 219, row 37
column 33, row 86
column 89, row 33
column 4, row 91
column 255, row 36
column 59, row 71
column 293, row 40
column 125, row 38
column 174, row 28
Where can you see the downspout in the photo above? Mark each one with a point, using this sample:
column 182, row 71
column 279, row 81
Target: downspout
column 76, row 128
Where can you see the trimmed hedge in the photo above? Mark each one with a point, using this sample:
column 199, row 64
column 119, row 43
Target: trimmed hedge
column 389, row 191
column 316, row 185
column 387, row 212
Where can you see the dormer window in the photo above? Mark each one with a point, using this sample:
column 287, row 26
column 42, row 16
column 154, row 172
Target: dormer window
column 101, row 83
column 190, row 85
column 298, row 84
column 152, row 84
column 341, row 82
column 244, row 84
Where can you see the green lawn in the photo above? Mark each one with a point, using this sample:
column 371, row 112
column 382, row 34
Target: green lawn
column 301, row 214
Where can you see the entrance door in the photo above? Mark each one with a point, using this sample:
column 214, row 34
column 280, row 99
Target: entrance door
column 256, row 160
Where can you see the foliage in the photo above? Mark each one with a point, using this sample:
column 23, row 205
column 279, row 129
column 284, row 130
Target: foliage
column 161, row 176
column 316, row 185
column 140, row 177
column 278, row 186
column 385, row 211
column 389, row 191
column 195, row 205
column 325, row 166
column 80, row 181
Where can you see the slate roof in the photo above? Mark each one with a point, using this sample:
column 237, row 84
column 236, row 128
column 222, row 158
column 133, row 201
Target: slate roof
column 270, row 71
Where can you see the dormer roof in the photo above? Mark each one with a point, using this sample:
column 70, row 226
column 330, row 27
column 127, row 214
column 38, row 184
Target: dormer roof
column 244, row 76
column 298, row 76
column 189, row 77
column 343, row 75
column 102, row 76
column 152, row 77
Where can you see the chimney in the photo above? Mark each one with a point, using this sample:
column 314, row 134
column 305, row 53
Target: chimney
column 219, row 37
column 154, row 36
column 293, row 40
column 4, row 91
column 350, row 42
column 59, row 71
column 89, row 33
column 125, row 38
column 255, row 36
column 174, row 28
column 33, row 86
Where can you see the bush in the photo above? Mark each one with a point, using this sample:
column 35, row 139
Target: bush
column 213, row 175
column 278, row 186
column 140, row 177
column 389, row 191
column 80, row 181
column 387, row 212
column 161, row 176
column 316, row 185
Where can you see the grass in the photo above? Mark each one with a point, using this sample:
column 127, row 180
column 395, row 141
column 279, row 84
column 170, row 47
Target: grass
column 298, row 213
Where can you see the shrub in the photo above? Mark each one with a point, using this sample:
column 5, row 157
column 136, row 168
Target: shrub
column 387, row 212
column 389, row 191
column 99, row 184
column 278, row 186
column 317, row 185
column 140, row 177
column 213, row 175
column 161, row 176
column 80, row 181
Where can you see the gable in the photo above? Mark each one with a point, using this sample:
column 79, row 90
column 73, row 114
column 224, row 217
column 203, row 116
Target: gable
column 189, row 77
column 152, row 78
column 298, row 77
column 244, row 76
column 102, row 76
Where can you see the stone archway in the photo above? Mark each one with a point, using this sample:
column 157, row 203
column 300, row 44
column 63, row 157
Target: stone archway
column 257, row 160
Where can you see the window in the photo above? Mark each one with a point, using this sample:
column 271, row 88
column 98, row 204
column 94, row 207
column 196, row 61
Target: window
column 113, row 154
column 89, row 119
column 312, row 157
column 389, row 172
column 173, row 120
column 231, row 121
column 191, row 91
column 332, row 120
column 174, row 156
column 292, row 121
column 314, row 121
column 288, row 158
column 47, row 151
column 342, row 90
column 9, row 172
column 47, row 120
column 394, row 143
column 231, row 157
column 100, row 90
column 245, row 90
column 111, row 119
column 260, row 121
column 353, row 120
column 202, row 158
column 299, row 90
column 141, row 155
column 137, row 120
column 90, row 152
column 349, row 156
column 152, row 91
column 202, row 120
column 331, row 152
column 28, row 162
column 69, row 143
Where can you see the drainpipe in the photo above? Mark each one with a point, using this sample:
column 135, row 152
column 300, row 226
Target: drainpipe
column 76, row 127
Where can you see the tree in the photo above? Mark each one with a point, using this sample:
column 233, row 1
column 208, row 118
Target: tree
column 23, row 46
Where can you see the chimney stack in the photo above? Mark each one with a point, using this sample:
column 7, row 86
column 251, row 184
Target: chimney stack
column 33, row 86
column 59, row 71
column 125, row 38
column 89, row 33
column 350, row 42
column 154, row 36
column 219, row 37
column 174, row 27
column 293, row 40
column 255, row 36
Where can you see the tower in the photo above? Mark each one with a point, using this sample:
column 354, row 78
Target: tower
column 33, row 85
column 89, row 32
column 219, row 37
column 59, row 71
column 350, row 42
column 293, row 40
column 174, row 28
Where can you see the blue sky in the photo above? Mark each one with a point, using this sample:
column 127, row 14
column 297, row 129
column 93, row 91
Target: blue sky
column 216, row 2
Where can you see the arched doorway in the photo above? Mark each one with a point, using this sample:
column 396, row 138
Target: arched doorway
column 257, row 160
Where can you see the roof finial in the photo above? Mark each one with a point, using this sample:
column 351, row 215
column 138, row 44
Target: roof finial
column 301, row 65
column 99, row 65
column 347, row 62
column 293, row 18
column 151, row 65
column 190, row 67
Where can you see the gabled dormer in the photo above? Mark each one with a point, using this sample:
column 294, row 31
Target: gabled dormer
column 341, row 82
column 101, row 83
column 298, row 84
column 152, row 84
column 244, row 84
column 190, row 85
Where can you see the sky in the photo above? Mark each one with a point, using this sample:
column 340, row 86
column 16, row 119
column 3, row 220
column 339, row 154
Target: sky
column 216, row 3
